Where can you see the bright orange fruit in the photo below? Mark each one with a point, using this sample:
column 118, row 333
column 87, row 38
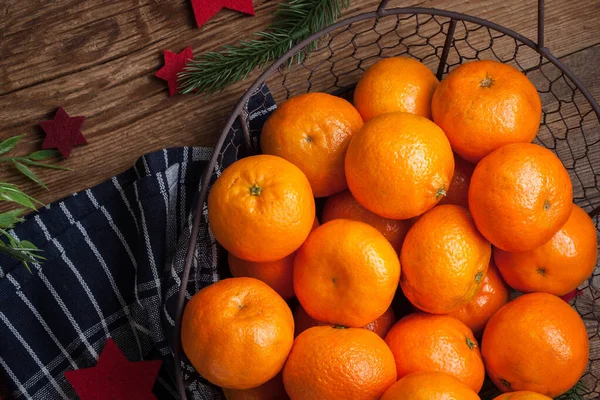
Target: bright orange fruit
column 237, row 333
column 429, row 386
column 522, row 395
column 483, row 105
column 444, row 260
column 261, row 208
column 436, row 343
column 536, row 342
column 331, row 363
column 558, row 266
column 313, row 131
column 492, row 295
column 346, row 273
column 395, row 84
column 458, row 192
column 344, row 206
column 399, row 165
column 278, row 274
column 380, row 326
column 272, row 390
column 520, row 196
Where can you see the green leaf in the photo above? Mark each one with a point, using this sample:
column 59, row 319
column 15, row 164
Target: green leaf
column 9, row 192
column 41, row 155
column 42, row 165
column 29, row 173
column 10, row 143
column 8, row 219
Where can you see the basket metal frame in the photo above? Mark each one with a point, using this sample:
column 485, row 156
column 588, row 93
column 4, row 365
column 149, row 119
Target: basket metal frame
column 238, row 112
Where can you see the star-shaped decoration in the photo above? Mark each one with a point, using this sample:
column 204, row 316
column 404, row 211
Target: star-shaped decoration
column 115, row 377
column 174, row 64
column 571, row 295
column 63, row 132
column 206, row 9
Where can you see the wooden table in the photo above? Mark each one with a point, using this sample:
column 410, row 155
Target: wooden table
column 98, row 59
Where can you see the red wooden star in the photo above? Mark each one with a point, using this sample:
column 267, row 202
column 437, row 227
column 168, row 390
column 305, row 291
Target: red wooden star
column 174, row 64
column 206, row 9
column 63, row 132
column 115, row 377
column 571, row 295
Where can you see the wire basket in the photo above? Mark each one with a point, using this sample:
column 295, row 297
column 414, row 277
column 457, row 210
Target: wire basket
column 442, row 40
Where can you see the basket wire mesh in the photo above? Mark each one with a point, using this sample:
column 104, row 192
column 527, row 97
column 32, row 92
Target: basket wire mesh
column 442, row 40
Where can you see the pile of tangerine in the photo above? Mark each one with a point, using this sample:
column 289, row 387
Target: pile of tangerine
column 433, row 193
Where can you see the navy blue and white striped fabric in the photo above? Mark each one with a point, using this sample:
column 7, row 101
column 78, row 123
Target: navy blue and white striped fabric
column 114, row 255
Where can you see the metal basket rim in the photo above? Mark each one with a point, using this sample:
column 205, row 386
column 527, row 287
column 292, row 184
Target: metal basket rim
column 238, row 112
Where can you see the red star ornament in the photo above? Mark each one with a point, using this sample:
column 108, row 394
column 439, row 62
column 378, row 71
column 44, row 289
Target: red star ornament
column 571, row 295
column 174, row 64
column 63, row 132
column 206, row 9
column 115, row 377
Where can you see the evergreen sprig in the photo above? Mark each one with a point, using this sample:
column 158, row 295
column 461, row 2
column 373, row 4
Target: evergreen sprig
column 294, row 21
column 21, row 250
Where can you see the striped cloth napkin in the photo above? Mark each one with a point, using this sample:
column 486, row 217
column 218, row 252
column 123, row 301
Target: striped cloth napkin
column 114, row 257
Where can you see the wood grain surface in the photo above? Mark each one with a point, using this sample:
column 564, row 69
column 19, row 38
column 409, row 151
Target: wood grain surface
column 98, row 58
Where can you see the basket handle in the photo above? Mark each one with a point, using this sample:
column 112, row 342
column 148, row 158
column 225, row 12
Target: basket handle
column 381, row 9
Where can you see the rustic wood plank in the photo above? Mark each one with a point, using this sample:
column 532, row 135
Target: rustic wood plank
column 97, row 58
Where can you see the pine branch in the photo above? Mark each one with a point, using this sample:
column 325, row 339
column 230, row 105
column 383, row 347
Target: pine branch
column 294, row 21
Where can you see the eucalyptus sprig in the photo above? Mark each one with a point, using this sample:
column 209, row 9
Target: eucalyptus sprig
column 21, row 250
column 294, row 21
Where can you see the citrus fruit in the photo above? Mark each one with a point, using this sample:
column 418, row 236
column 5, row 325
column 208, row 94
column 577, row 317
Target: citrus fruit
column 272, row 390
column 557, row 266
column 522, row 395
column 261, row 208
column 399, row 165
column 444, row 260
column 344, row 206
column 428, row 343
column 380, row 326
column 331, row 363
column 536, row 342
column 429, row 386
column 520, row 195
column 312, row 131
column 483, row 105
column 458, row 192
column 395, row 84
column 277, row 274
column 346, row 273
column 237, row 332
column 492, row 295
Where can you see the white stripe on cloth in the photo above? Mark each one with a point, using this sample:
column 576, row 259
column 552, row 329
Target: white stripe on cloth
column 13, row 377
column 121, row 238
column 146, row 167
column 182, row 179
column 148, row 245
column 109, row 275
column 90, row 332
column 65, row 310
column 115, row 182
column 33, row 356
column 170, row 208
column 61, row 304
column 42, row 321
column 67, row 261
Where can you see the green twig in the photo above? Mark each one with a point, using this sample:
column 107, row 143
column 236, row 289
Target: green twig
column 294, row 21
